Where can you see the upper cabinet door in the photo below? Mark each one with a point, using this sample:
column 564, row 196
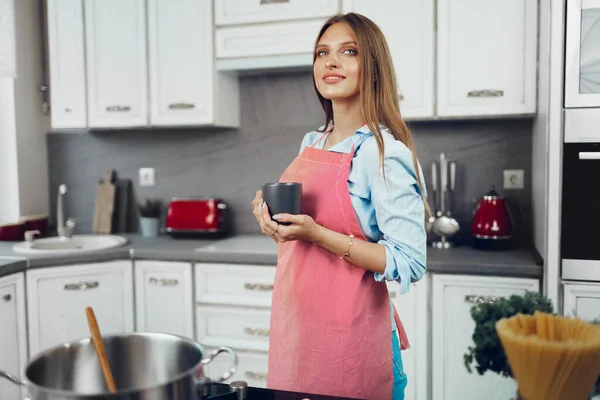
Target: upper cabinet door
column 582, row 50
column 116, row 63
column 231, row 12
column 67, row 64
column 408, row 28
column 181, row 62
column 486, row 57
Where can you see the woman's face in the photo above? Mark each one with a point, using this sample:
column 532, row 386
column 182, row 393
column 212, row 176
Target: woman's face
column 336, row 69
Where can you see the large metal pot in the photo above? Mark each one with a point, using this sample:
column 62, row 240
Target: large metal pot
column 145, row 366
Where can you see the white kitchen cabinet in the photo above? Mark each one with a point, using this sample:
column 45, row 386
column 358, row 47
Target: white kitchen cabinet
column 414, row 314
column 13, row 333
column 581, row 299
column 234, row 12
column 164, row 299
column 58, row 296
column 408, row 28
column 266, row 40
column 452, row 330
column 233, row 309
column 66, row 48
column 252, row 368
column 486, row 57
column 234, row 284
column 184, row 88
column 117, row 74
column 582, row 41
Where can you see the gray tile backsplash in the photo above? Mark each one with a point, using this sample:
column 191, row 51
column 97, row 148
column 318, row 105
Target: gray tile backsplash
column 277, row 110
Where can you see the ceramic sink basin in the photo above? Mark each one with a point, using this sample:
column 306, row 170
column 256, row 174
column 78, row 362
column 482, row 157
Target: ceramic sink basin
column 75, row 244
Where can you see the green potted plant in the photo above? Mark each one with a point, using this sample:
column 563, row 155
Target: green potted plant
column 150, row 212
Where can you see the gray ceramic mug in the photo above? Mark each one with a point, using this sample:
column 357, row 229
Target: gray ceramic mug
column 283, row 198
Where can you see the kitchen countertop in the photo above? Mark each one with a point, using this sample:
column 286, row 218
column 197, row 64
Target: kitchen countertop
column 261, row 250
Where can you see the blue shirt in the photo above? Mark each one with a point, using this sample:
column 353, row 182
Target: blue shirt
column 389, row 212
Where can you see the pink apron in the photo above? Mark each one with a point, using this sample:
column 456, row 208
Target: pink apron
column 330, row 320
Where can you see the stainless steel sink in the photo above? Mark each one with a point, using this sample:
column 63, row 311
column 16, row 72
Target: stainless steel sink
column 74, row 244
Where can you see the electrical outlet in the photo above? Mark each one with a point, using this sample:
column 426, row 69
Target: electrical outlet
column 147, row 177
column 513, row 179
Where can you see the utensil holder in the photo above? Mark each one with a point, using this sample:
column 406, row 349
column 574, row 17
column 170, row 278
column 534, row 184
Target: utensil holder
column 149, row 227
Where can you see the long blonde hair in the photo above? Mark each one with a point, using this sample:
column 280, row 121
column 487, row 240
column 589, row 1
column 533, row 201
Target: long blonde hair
column 378, row 95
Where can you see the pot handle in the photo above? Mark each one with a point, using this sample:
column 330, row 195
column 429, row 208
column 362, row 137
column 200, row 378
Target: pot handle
column 232, row 369
column 12, row 378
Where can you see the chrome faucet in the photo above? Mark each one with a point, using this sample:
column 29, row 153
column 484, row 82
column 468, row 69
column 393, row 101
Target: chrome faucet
column 65, row 230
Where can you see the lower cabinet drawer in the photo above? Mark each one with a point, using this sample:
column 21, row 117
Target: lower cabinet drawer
column 252, row 368
column 237, row 327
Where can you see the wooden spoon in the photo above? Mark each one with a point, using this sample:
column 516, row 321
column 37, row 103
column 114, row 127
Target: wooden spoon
column 99, row 346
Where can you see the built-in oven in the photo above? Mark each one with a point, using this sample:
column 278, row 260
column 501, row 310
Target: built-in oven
column 580, row 218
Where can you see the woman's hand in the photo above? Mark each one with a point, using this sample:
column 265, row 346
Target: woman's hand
column 261, row 212
column 302, row 227
column 256, row 204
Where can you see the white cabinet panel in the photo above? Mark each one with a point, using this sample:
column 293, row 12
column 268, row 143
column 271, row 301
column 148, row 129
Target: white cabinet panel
column 413, row 312
column 234, row 284
column 452, row 331
column 13, row 334
column 240, row 328
column 408, row 28
column 252, row 368
column 228, row 12
column 582, row 300
column 180, row 43
column 164, row 297
column 582, row 54
column 116, row 63
column 273, row 39
column 486, row 57
column 58, row 296
column 66, row 45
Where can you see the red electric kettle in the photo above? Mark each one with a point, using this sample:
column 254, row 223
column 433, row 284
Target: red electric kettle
column 492, row 225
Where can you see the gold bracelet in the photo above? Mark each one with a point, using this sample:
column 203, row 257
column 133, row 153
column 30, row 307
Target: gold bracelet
column 347, row 253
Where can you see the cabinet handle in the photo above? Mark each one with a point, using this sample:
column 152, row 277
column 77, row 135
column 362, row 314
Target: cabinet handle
column 7, row 297
column 118, row 108
column 260, row 287
column 164, row 282
column 257, row 331
column 181, row 106
column 486, row 93
column 257, row 376
column 81, row 285
column 273, row 1
column 475, row 299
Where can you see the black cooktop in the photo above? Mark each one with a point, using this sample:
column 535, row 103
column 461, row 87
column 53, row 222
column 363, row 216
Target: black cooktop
column 222, row 391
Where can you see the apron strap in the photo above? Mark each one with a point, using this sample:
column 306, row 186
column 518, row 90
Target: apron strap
column 404, row 344
column 320, row 138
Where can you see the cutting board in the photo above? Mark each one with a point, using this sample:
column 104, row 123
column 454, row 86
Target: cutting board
column 105, row 204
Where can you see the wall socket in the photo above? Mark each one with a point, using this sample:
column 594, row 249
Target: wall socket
column 513, row 179
column 147, row 177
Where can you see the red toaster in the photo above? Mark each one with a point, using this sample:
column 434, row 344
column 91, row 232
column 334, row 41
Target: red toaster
column 197, row 217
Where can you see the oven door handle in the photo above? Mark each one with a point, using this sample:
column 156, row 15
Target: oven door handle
column 589, row 155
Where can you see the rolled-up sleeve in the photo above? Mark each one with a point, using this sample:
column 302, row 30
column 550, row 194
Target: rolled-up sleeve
column 400, row 215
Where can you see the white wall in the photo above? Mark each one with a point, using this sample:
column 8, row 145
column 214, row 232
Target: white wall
column 23, row 127
column 32, row 125
column 9, row 180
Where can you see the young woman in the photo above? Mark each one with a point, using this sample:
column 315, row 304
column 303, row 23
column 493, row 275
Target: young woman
column 334, row 330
